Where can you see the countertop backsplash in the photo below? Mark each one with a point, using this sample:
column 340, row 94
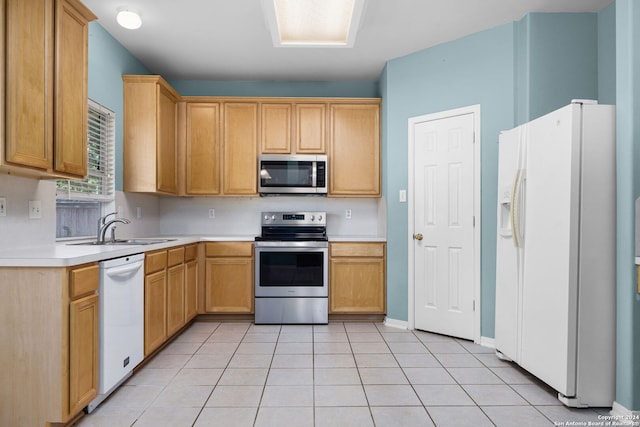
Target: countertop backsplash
column 241, row 216
column 151, row 215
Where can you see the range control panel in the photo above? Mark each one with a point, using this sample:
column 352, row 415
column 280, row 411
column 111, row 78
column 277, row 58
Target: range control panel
column 294, row 218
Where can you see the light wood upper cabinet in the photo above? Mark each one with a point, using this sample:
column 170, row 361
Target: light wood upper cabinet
column 293, row 128
column 354, row 134
column 275, row 135
column 150, row 135
column 71, row 88
column 44, row 129
column 240, row 160
column 310, row 128
column 29, row 82
column 203, row 163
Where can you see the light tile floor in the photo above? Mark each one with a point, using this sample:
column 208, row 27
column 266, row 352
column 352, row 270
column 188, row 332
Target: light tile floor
column 341, row 374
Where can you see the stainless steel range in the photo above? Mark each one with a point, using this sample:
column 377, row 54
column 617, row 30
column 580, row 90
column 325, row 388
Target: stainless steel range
column 292, row 265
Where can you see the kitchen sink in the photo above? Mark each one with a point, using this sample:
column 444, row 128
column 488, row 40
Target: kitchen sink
column 124, row 242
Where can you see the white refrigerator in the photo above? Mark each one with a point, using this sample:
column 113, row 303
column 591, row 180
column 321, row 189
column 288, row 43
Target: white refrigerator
column 555, row 251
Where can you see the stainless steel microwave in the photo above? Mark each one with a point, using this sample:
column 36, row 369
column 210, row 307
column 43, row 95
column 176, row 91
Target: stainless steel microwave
column 292, row 174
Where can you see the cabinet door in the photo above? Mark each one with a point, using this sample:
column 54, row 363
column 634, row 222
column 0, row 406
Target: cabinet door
column 203, row 162
column 29, row 82
column 275, row 136
column 155, row 300
column 72, row 29
column 310, row 133
column 357, row 285
column 175, row 299
column 191, row 290
column 240, row 148
column 83, row 352
column 354, row 134
column 229, row 285
column 167, row 134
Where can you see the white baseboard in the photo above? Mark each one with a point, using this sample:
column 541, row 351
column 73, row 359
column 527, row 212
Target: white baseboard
column 487, row 342
column 623, row 415
column 393, row 323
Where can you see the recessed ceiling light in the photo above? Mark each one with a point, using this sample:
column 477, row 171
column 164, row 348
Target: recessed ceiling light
column 308, row 23
column 129, row 19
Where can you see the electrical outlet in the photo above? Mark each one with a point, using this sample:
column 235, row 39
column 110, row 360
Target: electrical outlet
column 347, row 214
column 35, row 209
column 403, row 196
column 212, row 213
column 3, row 206
column 138, row 213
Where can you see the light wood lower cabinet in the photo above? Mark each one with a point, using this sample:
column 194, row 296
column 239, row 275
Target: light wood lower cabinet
column 83, row 352
column 49, row 343
column 357, row 278
column 155, row 311
column 170, row 293
column 191, row 282
column 229, row 277
column 175, row 290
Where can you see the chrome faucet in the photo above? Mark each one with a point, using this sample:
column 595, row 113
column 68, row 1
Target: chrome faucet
column 103, row 225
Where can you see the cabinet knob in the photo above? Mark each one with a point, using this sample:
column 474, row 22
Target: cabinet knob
column 418, row 236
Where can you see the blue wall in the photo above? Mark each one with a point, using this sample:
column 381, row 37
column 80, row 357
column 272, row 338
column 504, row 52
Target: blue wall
column 563, row 62
column 478, row 69
column 516, row 72
column 628, row 157
column 274, row 88
column 108, row 61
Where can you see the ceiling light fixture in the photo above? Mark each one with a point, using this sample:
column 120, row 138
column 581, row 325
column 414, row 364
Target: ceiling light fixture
column 129, row 19
column 309, row 23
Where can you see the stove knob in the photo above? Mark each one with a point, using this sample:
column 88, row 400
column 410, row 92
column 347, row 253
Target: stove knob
column 273, row 217
column 266, row 217
column 312, row 217
column 319, row 217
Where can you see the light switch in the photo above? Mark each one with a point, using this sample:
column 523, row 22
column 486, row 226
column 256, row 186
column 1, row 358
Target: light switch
column 403, row 196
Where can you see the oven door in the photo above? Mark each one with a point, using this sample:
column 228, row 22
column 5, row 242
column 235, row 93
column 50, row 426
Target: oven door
column 284, row 269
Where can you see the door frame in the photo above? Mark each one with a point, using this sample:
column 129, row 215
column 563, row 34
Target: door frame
column 475, row 110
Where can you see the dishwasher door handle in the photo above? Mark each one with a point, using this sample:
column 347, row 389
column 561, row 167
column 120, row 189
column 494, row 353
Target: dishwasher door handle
column 124, row 271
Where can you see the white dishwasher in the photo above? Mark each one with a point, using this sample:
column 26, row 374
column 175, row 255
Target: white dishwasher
column 121, row 322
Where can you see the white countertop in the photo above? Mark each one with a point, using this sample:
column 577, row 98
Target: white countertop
column 65, row 254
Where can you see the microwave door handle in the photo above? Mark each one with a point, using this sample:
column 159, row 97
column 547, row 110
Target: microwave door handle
column 314, row 174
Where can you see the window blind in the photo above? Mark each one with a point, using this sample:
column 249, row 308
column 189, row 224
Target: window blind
column 99, row 184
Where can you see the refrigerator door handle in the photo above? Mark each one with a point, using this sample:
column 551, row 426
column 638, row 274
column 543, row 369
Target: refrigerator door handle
column 516, row 208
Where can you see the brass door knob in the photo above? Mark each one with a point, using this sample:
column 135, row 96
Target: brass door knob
column 418, row 236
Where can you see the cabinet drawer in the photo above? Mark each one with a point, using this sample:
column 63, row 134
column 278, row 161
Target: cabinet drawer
column 190, row 252
column 357, row 249
column 225, row 249
column 155, row 261
column 83, row 280
column 175, row 256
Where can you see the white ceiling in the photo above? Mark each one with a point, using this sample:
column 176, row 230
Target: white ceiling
column 229, row 40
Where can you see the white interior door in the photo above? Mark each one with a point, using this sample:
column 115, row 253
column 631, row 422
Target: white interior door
column 444, row 247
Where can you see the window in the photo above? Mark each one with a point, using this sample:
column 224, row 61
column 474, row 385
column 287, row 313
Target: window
column 79, row 203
